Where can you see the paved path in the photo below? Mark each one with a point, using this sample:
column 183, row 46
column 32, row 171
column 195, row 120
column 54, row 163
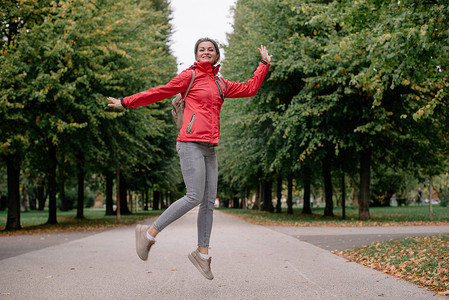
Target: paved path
column 249, row 262
column 342, row 238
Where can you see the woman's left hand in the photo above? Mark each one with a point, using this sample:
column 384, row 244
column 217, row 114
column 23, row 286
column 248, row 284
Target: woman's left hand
column 115, row 103
column 264, row 53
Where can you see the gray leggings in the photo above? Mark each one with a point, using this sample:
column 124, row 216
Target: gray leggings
column 199, row 168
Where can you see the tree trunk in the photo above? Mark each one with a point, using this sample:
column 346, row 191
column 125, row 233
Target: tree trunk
column 65, row 206
column 124, row 210
column 267, row 203
column 24, row 200
column 327, row 175
column 256, row 205
column 109, row 193
column 306, row 209
column 156, row 198
column 279, row 195
column 81, row 175
column 235, row 202
column 52, row 219
column 33, row 199
column 145, row 194
column 430, row 196
column 290, row 194
column 343, row 196
column 13, row 162
column 41, row 196
column 365, row 176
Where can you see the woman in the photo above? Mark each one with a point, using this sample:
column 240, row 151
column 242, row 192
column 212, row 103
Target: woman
column 196, row 142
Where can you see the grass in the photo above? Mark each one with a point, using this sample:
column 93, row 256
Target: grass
column 420, row 260
column 33, row 222
column 380, row 216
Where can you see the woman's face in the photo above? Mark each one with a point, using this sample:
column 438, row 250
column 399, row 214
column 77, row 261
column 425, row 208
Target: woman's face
column 206, row 52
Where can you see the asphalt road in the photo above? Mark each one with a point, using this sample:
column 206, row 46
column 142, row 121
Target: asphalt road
column 248, row 261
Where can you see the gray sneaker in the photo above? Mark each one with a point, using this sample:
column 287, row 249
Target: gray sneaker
column 203, row 265
column 143, row 245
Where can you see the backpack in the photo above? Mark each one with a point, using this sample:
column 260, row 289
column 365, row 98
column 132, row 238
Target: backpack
column 178, row 102
column 178, row 105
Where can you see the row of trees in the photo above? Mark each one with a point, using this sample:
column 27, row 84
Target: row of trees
column 60, row 60
column 357, row 89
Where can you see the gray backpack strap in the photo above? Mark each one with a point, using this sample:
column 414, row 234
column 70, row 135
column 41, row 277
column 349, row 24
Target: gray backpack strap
column 190, row 85
column 178, row 105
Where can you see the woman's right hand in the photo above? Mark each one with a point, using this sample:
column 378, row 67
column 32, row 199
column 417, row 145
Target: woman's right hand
column 115, row 103
column 264, row 53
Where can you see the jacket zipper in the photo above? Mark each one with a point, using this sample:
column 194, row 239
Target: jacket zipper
column 189, row 128
column 219, row 89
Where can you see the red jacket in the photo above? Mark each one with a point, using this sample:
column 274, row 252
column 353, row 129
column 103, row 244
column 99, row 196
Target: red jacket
column 201, row 122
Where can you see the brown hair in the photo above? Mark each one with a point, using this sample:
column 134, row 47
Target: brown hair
column 217, row 49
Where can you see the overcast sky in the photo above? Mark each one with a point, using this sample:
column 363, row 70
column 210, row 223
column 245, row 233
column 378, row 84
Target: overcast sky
column 194, row 19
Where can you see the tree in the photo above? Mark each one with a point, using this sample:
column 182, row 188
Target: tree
column 63, row 65
column 18, row 18
column 345, row 82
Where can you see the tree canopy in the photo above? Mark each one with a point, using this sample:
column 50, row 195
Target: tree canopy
column 362, row 81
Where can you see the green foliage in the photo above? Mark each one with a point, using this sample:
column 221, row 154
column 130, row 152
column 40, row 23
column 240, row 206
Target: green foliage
column 346, row 77
column 60, row 61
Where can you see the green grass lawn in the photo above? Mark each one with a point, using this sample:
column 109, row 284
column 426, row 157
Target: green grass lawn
column 34, row 221
column 380, row 216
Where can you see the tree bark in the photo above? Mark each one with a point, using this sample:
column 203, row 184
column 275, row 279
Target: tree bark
column 235, row 202
column 124, row 210
column 156, row 199
column 52, row 219
column 146, row 199
column 307, row 179
column 81, row 175
column 41, row 196
column 343, row 195
column 13, row 162
column 327, row 175
column 365, row 176
column 290, row 194
column 109, row 193
column 267, row 203
column 65, row 206
column 279, row 195
column 256, row 204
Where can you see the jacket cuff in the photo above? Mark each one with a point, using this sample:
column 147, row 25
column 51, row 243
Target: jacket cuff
column 123, row 103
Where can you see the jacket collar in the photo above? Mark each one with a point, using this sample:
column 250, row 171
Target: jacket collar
column 206, row 67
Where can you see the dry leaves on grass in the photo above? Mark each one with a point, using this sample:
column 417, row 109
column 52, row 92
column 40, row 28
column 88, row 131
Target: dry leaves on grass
column 421, row 260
